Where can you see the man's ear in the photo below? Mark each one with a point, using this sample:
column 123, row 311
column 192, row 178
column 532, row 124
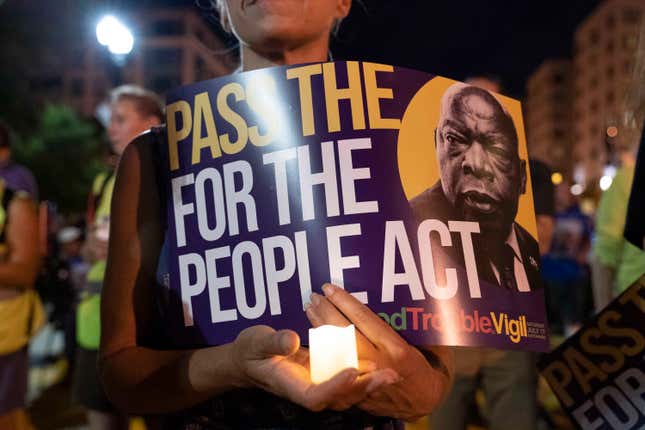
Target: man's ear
column 523, row 176
column 435, row 138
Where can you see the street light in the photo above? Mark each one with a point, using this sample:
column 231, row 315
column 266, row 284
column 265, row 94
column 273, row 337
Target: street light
column 117, row 37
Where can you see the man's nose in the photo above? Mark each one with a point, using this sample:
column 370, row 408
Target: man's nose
column 476, row 161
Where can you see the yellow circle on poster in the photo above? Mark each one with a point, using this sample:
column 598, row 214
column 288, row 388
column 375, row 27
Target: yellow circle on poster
column 418, row 165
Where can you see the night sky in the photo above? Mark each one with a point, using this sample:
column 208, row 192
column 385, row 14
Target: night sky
column 457, row 39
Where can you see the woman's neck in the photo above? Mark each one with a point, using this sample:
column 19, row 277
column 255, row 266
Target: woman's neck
column 314, row 52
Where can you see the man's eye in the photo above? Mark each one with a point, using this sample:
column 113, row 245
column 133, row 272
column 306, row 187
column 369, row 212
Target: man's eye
column 451, row 138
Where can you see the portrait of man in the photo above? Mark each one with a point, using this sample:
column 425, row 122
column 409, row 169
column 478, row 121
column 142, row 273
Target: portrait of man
column 481, row 179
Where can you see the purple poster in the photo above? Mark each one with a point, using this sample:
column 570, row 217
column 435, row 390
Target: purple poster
column 409, row 190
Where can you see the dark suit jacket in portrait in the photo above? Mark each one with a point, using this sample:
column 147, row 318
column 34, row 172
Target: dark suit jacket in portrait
column 433, row 204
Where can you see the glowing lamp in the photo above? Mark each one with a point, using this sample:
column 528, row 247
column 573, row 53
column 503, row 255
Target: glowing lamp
column 331, row 349
column 115, row 35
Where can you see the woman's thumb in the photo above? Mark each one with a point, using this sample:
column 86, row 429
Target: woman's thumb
column 283, row 342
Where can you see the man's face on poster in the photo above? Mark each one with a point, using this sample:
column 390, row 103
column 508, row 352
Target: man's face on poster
column 481, row 173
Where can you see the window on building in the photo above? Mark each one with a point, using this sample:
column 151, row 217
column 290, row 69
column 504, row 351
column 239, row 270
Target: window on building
column 629, row 41
column 167, row 27
column 610, row 97
column 100, row 88
column 558, row 97
column 161, row 84
column 201, row 71
column 593, row 82
column 199, row 35
column 162, row 68
column 610, row 47
column 162, row 58
column 76, row 87
column 76, row 58
column 610, row 72
column 594, row 153
column 632, row 16
column 578, row 46
column 594, row 37
column 610, row 22
column 45, row 83
column 591, row 63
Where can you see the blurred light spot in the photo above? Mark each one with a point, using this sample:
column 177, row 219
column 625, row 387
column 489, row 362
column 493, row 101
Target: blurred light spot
column 605, row 182
column 112, row 33
column 577, row 189
column 587, row 206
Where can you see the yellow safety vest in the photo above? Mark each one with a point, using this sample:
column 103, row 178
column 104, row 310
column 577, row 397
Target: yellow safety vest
column 88, row 316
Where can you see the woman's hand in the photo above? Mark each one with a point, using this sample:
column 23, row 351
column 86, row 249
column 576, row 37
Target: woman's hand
column 274, row 361
column 422, row 383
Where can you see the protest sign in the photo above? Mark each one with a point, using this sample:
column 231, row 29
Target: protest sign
column 597, row 374
column 409, row 190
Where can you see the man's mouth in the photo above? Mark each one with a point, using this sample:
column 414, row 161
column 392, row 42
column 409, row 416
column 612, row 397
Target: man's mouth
column 480, row 202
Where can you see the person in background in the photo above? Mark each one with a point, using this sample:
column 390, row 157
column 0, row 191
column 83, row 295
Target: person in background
column 260, row 380
column 73, row 268
column 565, row 269
column 133, row 111
column 16, row 176
column 21, row 312
column 617, row 263
column 618, row 256
column 543, row 202
column 507, row 378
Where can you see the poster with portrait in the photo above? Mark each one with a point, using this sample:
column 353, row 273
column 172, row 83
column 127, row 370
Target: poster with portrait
column 598, row 373
column 411, row 191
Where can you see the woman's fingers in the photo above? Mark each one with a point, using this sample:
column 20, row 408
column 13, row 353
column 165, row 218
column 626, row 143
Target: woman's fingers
column 371, row 325
column 321, row 311
column 348, row 388
column 261, row 342
column 274, row 361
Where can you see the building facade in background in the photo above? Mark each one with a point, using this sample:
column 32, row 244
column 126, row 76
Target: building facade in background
column 172, row 47
column 548, row 109
column 572, row 106
column 54, row 56
column 604, row 53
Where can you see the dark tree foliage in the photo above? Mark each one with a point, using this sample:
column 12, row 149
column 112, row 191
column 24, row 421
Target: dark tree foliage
column 65, row 153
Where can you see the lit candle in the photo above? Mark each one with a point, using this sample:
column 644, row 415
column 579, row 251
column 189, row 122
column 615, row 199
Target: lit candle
column 331, row 349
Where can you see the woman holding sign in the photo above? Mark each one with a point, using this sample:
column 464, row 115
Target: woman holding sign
column 261, row 380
